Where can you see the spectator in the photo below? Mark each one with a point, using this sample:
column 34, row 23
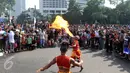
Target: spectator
column 41, row 38
column 17, row 40
column 29, row 42
column 2, row 41
column 11, row 39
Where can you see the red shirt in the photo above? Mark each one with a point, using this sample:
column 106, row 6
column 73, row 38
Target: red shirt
column 92, row 35
column 77, row 45
column 63, row 61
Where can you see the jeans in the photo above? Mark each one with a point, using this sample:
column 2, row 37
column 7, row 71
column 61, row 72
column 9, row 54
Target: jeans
column 6, row 45
column 42, row 42
column 92, row 43
column 11, row 45
column 101, row 42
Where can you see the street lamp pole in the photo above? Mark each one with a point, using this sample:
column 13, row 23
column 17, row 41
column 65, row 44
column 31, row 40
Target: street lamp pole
column 81, row 16
column 10, row 11
column 35, row 16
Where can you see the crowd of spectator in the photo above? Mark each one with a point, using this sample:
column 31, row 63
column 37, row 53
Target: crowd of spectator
column 14, row 38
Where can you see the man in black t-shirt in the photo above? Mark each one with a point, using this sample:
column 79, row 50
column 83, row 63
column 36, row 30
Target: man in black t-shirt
column 121, row 39
column 107, row 41
column 111, row 37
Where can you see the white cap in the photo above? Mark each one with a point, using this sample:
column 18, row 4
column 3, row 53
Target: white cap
column 17, row 30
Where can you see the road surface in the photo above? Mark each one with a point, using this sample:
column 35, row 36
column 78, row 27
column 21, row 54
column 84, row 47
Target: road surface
column 30, row 61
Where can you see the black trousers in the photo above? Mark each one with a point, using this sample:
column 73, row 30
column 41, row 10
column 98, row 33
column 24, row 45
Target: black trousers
column 96, row 40
column 121, row 46
column 109, row 47
column 29, row 46
column 92, row 43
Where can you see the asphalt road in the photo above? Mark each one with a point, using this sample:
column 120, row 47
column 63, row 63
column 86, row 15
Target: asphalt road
column 30, row 61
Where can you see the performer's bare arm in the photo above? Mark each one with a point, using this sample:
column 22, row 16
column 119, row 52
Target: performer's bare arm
column 47, row 66
column 74, row 45
column 75, row 63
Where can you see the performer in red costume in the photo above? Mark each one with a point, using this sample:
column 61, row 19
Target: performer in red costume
column 76, row 53
column 63, row 61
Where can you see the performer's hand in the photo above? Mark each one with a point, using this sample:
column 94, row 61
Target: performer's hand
column 81, row 61
column 70, row 46
column 38, row 71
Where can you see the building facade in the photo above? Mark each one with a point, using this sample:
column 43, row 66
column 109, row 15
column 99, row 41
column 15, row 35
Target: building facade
column 20, row 5
column 48, row 7
column 82, row 3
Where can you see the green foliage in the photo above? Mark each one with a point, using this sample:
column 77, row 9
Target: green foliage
column 22, row 18
column 124, row 12
column 28, row 16
column 115, row 2
column 96, row 11
column 6, row 5
column 74, row 13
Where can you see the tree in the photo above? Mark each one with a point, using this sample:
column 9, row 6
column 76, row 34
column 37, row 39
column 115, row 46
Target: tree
column 73, row 16
column 6, row 5
column 124, row 12
column 29, row 15
column 94, row 11
column 23, row 17
column 115, row 2
column 39, row 16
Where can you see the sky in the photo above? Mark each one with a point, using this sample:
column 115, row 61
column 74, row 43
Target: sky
column 31, row 3
column 107, row 4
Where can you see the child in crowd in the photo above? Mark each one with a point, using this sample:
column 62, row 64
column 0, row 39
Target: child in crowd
column 29, row 42
column 38, row 41
column 33, row 46
column 23, row 41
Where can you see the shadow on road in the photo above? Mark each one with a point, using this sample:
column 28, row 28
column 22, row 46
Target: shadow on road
column 53, row 72
column 123, row 64
column 56, row 72
column 89, row 51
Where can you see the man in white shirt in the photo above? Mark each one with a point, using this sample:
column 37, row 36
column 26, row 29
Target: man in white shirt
column 11, row 39
column 97, row 33
column 96, row 37
column 42, row 38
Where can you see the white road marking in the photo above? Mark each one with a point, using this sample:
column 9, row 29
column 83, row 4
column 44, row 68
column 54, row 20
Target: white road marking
column 1, row 54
